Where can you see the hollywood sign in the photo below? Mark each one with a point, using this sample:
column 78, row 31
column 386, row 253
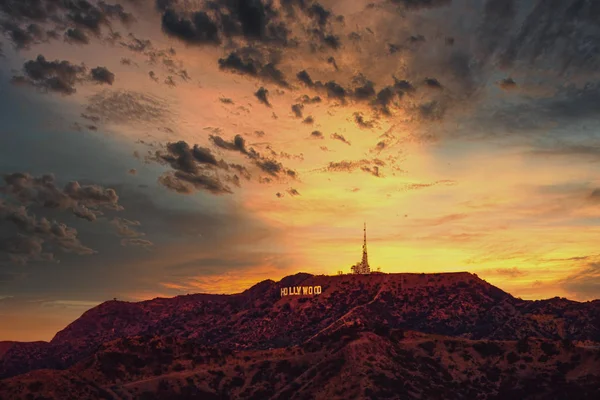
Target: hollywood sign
column 300, row 290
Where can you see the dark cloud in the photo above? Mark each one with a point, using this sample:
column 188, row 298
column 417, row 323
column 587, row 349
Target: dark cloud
column 297, row 110
column 595, row 195
column 293, row 192
column 29, row 238
column 55, row 76
column 361, row 122
column 186, row 183
column 331, row 61
column 334, row 90
column 76, row 35
column 584, row 283
column 23, row 37
column 308, row 120
column 305, row 99
column 366, row 90
column 368, row 166
column 305, row 78
column 251, row 20
column 197, row 168
column 197, row 29
column 249, row 61
column 265, row 164
column 60, row 76
column 170, row 82
column 225, row 100
column 102, row 75
column 237, row 144
column 432, row 110
column 262, row 96
column 432, row 83
column 507, row 83
column 341, row 138
column 84, row 201
column 145, row 243
column 317, row 135
column 28, row 16
column 419, row 4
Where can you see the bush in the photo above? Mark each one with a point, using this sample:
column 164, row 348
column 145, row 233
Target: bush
column 512, row 357
column 523, row 345
column 549, row 348
column 488, row 349
column 35, row 386
column 178, row 367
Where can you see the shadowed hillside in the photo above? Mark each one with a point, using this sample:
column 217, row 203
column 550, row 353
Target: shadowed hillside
column 412, row 334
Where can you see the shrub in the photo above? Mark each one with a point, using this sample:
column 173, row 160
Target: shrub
column 178, row 367
column 488, row 349
column 512, row 357
column 548, row 348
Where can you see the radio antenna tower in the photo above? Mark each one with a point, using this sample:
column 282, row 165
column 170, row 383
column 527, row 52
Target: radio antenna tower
column 363, row 266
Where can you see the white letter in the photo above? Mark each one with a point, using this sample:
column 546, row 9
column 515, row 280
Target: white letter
column 285, row 291
column 317, row 289
column 304, row 290
column 282, row 292
column 310, row 290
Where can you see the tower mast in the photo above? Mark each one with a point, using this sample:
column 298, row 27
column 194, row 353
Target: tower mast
column 365, row 269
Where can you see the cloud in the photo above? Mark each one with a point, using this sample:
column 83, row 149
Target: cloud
column 196, row 29
column 35, row 239
column 262, row 96
column 122, row 106
column 513, row 272
column 197, row 168
column 76, row 35
column 297, row 110
column 253, row 21
column 56, row 76
column 308, row 120
column 24, row 37
column 103, row 75
column 237, row 144
column 144, row 243
column 317, row 135
column 420, row 4
column 125, row 228
column 361, row 122
column 585, row 283
column 371, row 167
column 60, row 76
column 249, row 61
column 341, row 138
column 28, row 17
column 305, row 99
column 507, row 83
column 84, row 201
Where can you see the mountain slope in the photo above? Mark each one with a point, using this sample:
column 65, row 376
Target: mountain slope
column 453, row 304
column 350, row 362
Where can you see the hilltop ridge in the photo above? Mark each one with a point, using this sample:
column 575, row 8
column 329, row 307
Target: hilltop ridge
column 458, row 305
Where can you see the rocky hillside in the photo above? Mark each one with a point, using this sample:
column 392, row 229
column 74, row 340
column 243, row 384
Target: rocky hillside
column 261, row 321
column 351, row 362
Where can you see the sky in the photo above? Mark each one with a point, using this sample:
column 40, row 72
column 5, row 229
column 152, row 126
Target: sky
column 152, row 148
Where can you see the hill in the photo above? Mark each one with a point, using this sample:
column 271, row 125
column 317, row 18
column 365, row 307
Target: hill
column 454, row 325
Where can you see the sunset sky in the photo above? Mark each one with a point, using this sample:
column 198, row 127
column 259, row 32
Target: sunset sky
column 163, row 147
